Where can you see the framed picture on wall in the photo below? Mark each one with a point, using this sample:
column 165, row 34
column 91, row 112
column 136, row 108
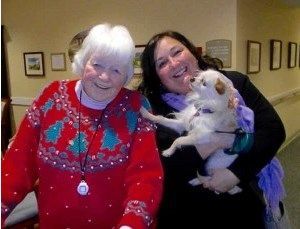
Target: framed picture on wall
column 137, row 58
column 199, row 50
column 34, row 63
column 220, row 49
column 275, row 54
column 292, row 54
column 253, row 56
column 58, row 62
column 76, row 42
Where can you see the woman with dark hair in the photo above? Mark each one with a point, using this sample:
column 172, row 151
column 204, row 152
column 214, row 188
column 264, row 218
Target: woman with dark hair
column 168, row 62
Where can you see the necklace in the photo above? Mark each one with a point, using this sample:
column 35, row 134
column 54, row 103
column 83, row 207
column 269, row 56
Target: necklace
column 83, row 187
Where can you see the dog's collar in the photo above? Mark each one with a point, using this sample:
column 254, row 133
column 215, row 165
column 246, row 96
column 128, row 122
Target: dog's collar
column 204, row 111
column 238, row 131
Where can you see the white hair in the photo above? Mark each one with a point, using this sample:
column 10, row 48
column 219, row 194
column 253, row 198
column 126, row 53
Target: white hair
column 112, row 43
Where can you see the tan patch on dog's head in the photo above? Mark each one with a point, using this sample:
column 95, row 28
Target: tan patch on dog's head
column 231, row 103
column 220, row 87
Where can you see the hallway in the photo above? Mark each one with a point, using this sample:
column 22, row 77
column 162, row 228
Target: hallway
column 290, row 159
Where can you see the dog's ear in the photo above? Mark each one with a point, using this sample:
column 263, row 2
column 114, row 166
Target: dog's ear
column 220, row 87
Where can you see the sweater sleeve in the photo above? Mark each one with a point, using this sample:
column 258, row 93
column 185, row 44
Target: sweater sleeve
column 144, row 179
column 19, row 164
column 19, row 170
column 269, row 131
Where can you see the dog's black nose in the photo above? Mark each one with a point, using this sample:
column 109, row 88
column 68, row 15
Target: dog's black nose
column 192, row 80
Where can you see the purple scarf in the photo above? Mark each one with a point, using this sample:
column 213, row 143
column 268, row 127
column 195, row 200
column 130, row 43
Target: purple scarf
column 175, row 101
column 271, row 176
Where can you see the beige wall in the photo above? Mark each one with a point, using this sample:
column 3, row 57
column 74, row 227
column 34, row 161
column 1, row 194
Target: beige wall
column 49, row 25
column 262, row 21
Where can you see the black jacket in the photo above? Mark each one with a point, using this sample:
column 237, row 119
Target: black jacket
column 184, row 206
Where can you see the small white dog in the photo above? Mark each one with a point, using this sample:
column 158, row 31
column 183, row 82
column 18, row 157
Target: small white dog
column 209, row 113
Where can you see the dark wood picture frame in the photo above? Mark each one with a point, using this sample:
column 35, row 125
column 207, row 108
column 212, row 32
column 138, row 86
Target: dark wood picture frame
column 34, row 63
column 199, row 50
column 292, row 54
column 253, row 56
column 275, row 54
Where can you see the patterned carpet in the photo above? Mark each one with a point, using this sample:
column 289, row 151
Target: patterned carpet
column 290, row 159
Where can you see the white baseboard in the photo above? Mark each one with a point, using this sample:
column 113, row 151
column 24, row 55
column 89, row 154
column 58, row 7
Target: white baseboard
column 21, row 101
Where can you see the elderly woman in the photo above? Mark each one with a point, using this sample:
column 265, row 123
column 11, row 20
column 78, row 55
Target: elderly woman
column 84, row 140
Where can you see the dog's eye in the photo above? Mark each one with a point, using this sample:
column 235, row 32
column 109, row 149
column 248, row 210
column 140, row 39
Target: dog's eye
column 203, row 82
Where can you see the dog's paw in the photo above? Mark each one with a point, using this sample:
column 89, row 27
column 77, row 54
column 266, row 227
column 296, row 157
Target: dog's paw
column 195, row 182
column 167, row 153
column 146, row 114
column 235, row 190
column 202, row 179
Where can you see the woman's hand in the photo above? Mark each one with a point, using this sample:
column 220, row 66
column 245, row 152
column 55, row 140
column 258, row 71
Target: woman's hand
column 222, row 180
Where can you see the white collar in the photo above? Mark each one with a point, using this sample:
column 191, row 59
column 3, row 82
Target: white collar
column 88, row 101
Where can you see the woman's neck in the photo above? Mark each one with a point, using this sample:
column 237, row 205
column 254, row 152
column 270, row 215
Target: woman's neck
column 88, row 101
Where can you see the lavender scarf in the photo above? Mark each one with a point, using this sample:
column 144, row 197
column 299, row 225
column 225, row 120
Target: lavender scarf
column 271, row 176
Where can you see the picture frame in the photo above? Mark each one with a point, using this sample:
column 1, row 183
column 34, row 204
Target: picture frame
column 34, row 63
column 292, row 54
column 137, row 58
column 58, row 61
column 199, row 50
column 275, row 54
column 76, row 42
column 220, row 50
column 253, row 56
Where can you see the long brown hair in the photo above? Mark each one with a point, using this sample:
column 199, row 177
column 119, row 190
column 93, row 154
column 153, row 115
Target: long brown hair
column 151, row 85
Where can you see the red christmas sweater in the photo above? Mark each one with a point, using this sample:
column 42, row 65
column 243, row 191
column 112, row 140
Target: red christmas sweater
column 123, row 168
